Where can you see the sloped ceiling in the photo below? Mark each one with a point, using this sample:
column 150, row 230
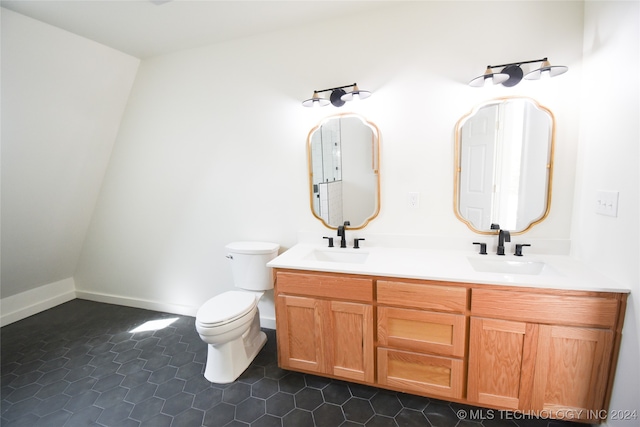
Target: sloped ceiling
column 149, row 28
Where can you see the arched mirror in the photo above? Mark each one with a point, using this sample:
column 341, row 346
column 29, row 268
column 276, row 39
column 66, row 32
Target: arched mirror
column 504, row 165
column 344, row 177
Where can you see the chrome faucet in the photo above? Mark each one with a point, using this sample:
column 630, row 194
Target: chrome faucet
column 503, row 236
column 342, row 234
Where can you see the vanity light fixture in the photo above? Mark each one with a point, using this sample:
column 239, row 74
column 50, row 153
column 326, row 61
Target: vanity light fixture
column 338, row 96
column 489, row 78
column 546, row 70
column 315, row 100
column 511, row 74
column 356, row 94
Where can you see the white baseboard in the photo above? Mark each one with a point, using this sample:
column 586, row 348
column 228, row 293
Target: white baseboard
column 265, row 322
column 268, row 322
column 137, row 303
column 25, row 304
column 28, row 303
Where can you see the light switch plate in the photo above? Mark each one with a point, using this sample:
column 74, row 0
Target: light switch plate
column 607, row 203
column 413, row 200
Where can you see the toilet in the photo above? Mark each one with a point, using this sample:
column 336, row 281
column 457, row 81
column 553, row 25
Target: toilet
column 230, row 322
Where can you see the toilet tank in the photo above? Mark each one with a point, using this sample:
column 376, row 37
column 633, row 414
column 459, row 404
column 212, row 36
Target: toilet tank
column 248, row 264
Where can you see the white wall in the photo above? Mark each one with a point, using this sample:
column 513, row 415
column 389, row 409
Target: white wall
column 212, row 147
column 608, row 160
column 62, row 100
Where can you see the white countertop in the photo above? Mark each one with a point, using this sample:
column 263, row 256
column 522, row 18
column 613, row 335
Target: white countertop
column 559, row 272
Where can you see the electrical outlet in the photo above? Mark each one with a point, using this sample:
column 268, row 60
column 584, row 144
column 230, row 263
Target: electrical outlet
column 413, row 200
column 607, row 203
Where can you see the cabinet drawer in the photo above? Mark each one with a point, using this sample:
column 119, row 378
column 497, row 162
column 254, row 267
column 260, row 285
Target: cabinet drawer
column 421, row 373
column 422, row 295
column 545, row 308
column 326, row 286
column 441, row 333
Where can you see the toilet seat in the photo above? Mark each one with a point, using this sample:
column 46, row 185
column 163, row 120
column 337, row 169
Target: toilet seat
column 225, row 308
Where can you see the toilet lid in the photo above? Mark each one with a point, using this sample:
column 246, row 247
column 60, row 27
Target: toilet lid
column 225, row 307
column 254, row 248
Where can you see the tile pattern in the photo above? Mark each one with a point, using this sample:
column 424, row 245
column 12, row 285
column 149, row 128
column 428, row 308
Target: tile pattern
column 78, row 364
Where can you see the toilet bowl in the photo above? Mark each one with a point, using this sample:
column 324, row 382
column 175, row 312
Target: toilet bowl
column 226, row 317
column 230, row 322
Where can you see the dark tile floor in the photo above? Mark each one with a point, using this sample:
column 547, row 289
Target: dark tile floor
column 78, row 364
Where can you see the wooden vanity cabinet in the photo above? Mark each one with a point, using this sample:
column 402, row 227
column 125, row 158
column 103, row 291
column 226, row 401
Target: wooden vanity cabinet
column 542, row 352
column 523, row 349
column 422, row 335
column 325, row 324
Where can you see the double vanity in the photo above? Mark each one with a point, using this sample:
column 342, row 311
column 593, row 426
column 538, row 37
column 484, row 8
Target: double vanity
column 532, row 333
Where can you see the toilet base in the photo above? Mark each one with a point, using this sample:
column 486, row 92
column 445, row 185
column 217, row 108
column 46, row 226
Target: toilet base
column 226, row 362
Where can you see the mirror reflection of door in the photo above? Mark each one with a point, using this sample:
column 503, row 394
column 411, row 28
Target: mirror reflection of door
column 476, row 174
column 504, row 154
column 343, row 165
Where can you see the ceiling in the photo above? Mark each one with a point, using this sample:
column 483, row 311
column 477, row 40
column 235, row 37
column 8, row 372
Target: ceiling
column 146, row 28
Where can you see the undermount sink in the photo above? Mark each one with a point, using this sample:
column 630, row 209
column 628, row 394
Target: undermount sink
column 351, row 257
column 508, row 266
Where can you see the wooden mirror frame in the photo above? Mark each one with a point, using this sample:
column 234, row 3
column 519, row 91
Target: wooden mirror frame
column 375, row 168
column 457, row 166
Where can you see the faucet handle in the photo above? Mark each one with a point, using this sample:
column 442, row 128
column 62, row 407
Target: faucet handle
column 495, row 226
column 483, row 247
column 330, row 241
column 356, row 243
column 519, row 247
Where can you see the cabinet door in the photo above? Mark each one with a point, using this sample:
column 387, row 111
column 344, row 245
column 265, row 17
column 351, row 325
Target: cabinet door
column 571, row 369
column 501, row 362
column 351, row 344
column 301, row 333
